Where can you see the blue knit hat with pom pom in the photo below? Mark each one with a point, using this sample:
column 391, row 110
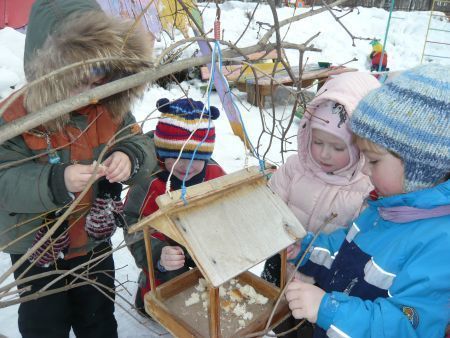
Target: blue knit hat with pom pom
column 411, row 117
column 178, row 120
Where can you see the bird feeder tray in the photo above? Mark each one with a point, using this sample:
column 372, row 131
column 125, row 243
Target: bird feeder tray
column 168, row 306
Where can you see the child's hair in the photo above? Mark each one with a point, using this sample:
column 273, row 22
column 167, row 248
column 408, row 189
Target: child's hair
column 367, row 145
column 179, row 119
column 409, row 116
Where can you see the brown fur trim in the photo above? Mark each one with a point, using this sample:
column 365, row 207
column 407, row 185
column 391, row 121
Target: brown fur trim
column 85, row 36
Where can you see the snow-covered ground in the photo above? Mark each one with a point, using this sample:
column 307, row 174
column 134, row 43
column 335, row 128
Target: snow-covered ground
column 404, row 47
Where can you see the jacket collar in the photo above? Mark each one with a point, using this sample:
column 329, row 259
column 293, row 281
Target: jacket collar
column 422, row 204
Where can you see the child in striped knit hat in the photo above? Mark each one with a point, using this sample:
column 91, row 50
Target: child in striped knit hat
column 184, row 140
column 388, row 274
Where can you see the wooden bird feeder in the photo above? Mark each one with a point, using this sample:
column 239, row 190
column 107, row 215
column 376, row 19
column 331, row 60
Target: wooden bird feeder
column 228, row 225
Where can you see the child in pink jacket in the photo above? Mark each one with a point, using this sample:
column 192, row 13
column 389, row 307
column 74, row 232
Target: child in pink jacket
column 325, row 176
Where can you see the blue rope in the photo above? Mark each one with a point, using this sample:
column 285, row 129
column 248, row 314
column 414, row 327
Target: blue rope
column 183, row 185
column 254, row 151
column 382, row 79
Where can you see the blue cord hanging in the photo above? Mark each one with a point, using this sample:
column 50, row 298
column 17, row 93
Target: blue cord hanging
column 391, row 9
column 253, row 150
column 183, row 185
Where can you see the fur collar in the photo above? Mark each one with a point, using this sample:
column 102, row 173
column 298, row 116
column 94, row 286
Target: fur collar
column 84, row 36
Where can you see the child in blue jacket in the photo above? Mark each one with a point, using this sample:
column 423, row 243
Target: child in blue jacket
column 388, row 275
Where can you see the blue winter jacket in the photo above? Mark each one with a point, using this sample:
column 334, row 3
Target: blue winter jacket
column 385, row 279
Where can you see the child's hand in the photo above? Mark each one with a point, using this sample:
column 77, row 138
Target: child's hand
column 172, row 258
column 293, row 250
column 118, row 167
column 304, row 300
column 290, row 269
column 76, row 176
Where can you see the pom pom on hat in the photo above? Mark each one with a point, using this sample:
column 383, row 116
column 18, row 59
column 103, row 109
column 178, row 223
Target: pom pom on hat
column 410, row 116
column 178, row 120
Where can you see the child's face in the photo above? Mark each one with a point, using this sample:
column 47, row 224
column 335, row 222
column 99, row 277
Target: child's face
column 94, row 81
column 386, row 172
column 182, row 166
column 329, row 151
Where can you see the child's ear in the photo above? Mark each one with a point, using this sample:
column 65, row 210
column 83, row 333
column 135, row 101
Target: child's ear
column 163, row 105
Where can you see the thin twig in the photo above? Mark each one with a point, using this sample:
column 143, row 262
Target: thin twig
column 269, row 321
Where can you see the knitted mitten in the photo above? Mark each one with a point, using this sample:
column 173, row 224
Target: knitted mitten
column 106, row 212
column 53, row 248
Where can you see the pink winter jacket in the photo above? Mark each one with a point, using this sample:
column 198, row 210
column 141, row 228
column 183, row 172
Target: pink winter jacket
column 311, row 193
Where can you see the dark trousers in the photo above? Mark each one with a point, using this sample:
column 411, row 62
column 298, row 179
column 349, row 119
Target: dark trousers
column 84, row 309
column 306, row 330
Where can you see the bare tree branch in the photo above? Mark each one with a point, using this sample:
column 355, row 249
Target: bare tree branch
column 30, row 121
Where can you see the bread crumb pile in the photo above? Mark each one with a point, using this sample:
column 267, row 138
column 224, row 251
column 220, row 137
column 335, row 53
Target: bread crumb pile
column 234, row 298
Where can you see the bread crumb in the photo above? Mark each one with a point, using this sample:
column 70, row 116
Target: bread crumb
column 247, row 316
column 235, row 295
column 222, row 291
column 253, row 297
column 193, row 299
column 239, row 310
column 204, row 296
column 227, row 305
column 202, row 285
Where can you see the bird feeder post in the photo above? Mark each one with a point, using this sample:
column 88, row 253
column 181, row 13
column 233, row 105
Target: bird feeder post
column 148, row 251
column 214, row 312
column 283, row 255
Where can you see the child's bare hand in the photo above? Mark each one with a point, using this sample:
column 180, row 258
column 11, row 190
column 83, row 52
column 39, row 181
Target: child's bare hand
column 118, row 167
column 293, row 250
column 76, row 176
column 304, row 300
column 290, row 269
column 172, row 258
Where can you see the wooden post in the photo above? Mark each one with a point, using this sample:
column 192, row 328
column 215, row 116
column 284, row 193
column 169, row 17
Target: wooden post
column 283, row 255
column 151, row 268
column 214, row 312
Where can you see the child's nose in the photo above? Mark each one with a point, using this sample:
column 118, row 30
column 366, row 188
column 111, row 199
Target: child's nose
column 183, row 164
column 325, row 154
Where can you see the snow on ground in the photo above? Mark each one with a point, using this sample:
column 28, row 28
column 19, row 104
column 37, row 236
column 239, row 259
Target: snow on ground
column 404, row 47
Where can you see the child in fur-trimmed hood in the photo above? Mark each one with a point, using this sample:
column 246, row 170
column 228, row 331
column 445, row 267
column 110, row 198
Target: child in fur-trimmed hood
column 35, row 192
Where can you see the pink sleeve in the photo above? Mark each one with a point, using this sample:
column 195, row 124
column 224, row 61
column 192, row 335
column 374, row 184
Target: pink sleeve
column 281, row 180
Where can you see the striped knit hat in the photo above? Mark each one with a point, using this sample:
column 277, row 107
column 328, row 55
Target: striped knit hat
column 178, row 120
column 411, row 116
